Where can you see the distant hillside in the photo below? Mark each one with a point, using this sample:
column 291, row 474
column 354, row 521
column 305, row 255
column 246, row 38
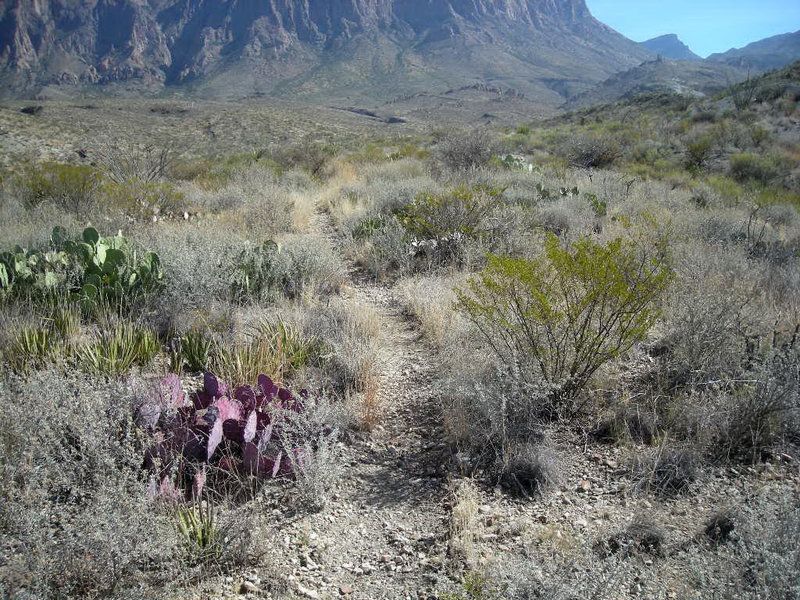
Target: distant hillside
column 670, row 46
column 764, row 55
column 345, row 52
column 689, row 78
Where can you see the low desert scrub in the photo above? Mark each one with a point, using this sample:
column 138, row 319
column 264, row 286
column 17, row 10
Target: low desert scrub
column 667, row 470
column 640, row 536
column 530, row 468
column 350, row 334
column 315, row 430
column 74, row 502
column 460, row 152
column 431, row 301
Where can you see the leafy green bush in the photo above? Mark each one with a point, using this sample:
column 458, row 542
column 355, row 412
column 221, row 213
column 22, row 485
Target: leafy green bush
column 748, row 167
column 142, row 200
column 440, row 224
column 570, row 311
column 73, row 188
column 698, row 152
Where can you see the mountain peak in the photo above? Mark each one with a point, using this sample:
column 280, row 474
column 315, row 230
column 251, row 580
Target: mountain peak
column 670, row 46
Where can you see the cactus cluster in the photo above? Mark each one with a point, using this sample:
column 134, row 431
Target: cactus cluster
column 91, row 270
column 216, row 431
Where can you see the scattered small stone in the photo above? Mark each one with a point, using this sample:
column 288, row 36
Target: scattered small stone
column 248, row 587
column 345, row 590
column 307, row 593
column 367, row 568
column 582, row 523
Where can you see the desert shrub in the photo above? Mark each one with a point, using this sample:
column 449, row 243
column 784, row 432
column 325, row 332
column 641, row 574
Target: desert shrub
column 264, row 273
column 308, row 155
column 530, row 468
column 349, row 332
column 667, row 470
column 640, row 536
column 698, row 152
column 145, row 164
column 568, row 312
column 763, row 414
column 143, row 200
column 568, row 218
column 73, row 501
column 458, row 152
column 310, row 439
column 440, row 225
column 759, row 169
column 772, row 553
column 197, row 263
column 591, row 151
column 72, row 188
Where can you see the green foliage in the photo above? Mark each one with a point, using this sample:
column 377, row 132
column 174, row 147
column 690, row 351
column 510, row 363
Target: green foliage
column 599, row 207
column 32, row 348
column 759, row 169
column 276, row 348
column 478, row 586
column 440, row 216
column 73, row 188
column 697, row 153
column 366, row 227
column 570, row 311
column 96, row 272
column 115, row 351
column 255, row 275
column 193, row 350
column 197, row 527
column 142, row 200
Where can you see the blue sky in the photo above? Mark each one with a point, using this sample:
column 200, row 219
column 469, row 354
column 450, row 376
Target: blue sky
column 706, row 26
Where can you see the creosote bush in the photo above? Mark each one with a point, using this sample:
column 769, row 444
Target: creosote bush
column 569, row 311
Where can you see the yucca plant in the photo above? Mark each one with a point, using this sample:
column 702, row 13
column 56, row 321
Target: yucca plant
column 117, row 350
column 278, row 348
column 192, row 350
column 198, row 529
column 31, row 348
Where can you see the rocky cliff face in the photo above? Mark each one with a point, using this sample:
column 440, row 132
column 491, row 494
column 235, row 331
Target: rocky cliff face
column 301, row 46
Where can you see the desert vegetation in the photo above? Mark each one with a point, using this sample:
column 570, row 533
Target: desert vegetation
column 555, row 361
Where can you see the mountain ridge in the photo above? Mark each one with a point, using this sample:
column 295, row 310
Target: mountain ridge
column 308, row 48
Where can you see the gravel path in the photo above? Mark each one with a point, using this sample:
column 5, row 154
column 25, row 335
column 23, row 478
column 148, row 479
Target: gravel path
column 384, row 533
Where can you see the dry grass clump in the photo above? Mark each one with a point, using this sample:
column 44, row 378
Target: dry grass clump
column 465, row 525
column 431, row 301
column 350, row 334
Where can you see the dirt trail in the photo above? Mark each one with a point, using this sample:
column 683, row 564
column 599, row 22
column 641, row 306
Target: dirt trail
column 384, row 534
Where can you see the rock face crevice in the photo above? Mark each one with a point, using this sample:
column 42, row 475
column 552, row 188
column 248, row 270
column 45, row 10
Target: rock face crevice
column 171, row 42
